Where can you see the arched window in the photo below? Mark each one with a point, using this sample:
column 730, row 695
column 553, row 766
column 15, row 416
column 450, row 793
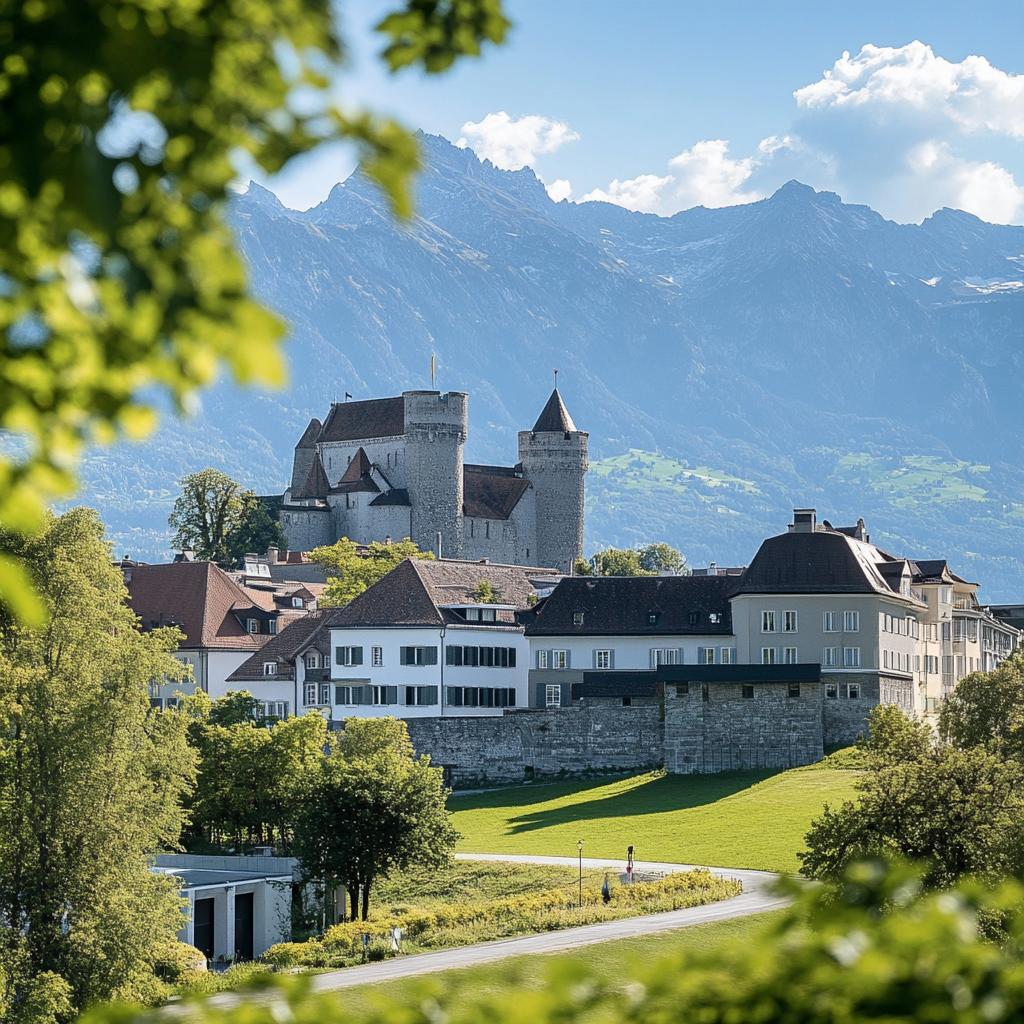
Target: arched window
column 312, row 659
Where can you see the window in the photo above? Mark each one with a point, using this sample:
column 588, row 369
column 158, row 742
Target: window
column 853, row 691
column 748, row 691
column 851, row 657
column 652, row 618
column 693, row 618
column 705, row 655
column 665, row 656
column 830, row 657
column 726, row 655
column 793, row 690
column 270, row 668
column 714, row 618
column 559, row 659
column 325, row 693
column 767, row 621
column 275, row 709
column 768, row 655
column 577, row 618
column 418, row 656
column 480, row 696
column 682, row 689
column 272, row 626
column 252, row 625
column 602, row 659
column 420, row 696
column 345, row 694
column 377, row 656
column 851, row 622
column 627, row 702
column 542, row 659
column 348, row 655
column 487, row 657
column 831, row 691
column 553, row 695
column 789, row 622
column 312, row 659
column 309, row 694
column 830, row 622
column 297, row 602
column 885, row 659
column 789, row 656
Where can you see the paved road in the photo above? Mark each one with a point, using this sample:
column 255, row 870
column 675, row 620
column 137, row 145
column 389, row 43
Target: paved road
column 756, row 898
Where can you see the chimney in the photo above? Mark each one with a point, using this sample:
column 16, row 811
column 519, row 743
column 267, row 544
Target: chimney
column 439, row 545
column 712, row 568
column 862, row 530
column 272, row 553
column 805, row 520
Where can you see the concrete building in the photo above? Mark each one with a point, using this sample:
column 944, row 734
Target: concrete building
column 238, row 907
column 395, row 468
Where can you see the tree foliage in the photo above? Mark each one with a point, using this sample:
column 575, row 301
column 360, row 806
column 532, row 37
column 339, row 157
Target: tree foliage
column 876, row 946
column 649, row 560
column 121, row 125
column 351, row 569
column 373, row 808
column 219, row 520
column 987, row 709
column 91, row 782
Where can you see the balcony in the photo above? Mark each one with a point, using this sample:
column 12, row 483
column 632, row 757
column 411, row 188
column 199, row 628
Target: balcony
column 318, row 675
column 964, row 604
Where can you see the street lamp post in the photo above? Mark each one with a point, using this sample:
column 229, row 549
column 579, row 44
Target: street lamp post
column 579, row 846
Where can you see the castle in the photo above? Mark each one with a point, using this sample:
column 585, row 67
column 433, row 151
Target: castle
column 394, row 468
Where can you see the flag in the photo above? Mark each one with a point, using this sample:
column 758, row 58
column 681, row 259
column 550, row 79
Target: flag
column 347, row 396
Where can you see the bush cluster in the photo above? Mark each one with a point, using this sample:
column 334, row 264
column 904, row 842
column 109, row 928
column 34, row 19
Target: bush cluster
column 460, row 923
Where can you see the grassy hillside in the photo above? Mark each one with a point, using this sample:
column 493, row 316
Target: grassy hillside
column 738, row 819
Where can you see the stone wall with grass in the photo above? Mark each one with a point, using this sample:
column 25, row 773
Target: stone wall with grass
column 525, row 744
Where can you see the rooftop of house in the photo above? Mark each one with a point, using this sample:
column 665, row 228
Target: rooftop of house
column 635, row 606
column 355, row 421
column 200, row 598
column 300, row 634
column 421, row 592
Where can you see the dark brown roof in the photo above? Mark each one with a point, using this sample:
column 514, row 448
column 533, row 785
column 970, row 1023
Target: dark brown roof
column 197, row 597
column 819, row 562
column 352, row 421
column 624, row 605
column 491, row 492
column 554, row 417
column 311, row 434
column 316, row 484
column 415, row 592
column 396, row 496
column 357, row 475
column 284, row 647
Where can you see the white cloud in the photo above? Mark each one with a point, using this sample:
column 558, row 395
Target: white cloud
column 707, row 176
column 514, row 142
column 559, row 189
column 643, row 193
column 972, row 94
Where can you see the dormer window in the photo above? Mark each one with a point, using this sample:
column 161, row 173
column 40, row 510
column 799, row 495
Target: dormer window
column 252, row 625
column 714, row 618
column 272, row 626
column 577, row 618
column 652, row 618
column 297, row 602
column 270, row 668
column 693, row 618
column 312, row 660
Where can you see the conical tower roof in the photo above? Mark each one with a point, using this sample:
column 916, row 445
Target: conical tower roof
column 311, row 434
column 316, row 484
column 554, row 417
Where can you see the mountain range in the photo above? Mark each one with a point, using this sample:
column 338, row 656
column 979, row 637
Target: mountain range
column 730, row 364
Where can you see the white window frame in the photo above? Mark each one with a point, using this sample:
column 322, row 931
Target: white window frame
column 853, row 691
column 851, row 657
column 851, row 621
column 707, row 656
column 790, row 655
column 348, row 693
column 379, row 695
column 542, row 659
column 830, row 657
column 325, row 694
column 270, row 668
column 346, row 661
column 790, row 621
column 252, row 625
column 560, row 660
column 297, row 602
column 312, row 659
column 603, row 659
column 831, row 691
column 309, row 691
column 769, row 655
column 553, row 695
column 376, row 657
column 272, row 627
column 829, row 622
column 665, row 656
column 768, row 622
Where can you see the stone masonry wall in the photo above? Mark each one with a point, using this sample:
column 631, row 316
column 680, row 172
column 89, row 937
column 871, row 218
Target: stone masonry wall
column 521, row 744
column 726, row 731
column 846, row 718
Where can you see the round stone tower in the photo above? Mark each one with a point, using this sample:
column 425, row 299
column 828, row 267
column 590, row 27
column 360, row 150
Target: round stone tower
column 436, row 425
column 554, row 459
column 305, row 451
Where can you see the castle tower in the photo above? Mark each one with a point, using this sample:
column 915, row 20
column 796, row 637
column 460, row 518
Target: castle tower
column 436, row 425
column 305, row 450
column 554, row 460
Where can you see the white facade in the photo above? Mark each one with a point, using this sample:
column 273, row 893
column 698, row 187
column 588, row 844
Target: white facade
column 624, row 653
column 416, row 672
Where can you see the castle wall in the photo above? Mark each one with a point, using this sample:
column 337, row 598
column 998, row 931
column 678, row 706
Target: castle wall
column 718, row 729
column 356, row 518
column 845, row 717
column 525, row 744
column 307, row 528
column 389, row 453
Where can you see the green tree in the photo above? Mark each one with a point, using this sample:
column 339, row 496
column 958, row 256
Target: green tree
column 893, row 737
column 612, row 562
column 91, row 783
column 206, row 514
column 122, row 125
column 661, row 557
column 372, row 810
column 351, row 569
column 255, row 531
column 987, row 709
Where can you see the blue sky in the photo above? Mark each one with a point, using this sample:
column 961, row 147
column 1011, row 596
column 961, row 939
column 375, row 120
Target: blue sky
column 661, row 106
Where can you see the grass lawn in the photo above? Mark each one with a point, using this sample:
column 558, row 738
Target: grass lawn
column 753, row 819
column 611, row 961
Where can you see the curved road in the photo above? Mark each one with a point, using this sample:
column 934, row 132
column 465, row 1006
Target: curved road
column 757, row 897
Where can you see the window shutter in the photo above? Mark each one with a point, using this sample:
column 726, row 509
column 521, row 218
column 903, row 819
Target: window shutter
column 611, row 658
column 654, row 657
column 539, row 695
column 566, row 694
column 427, row 694
column 338, row 660
column 568, row 659
column 593, row 658
column 361, row 695
column 390, row 694
column 511, row 657
column 429, row 655
column 679, row 656
column 403, row 656
column 357, row 655
column 449, row 655
column 700, row 655
column 455, row 696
